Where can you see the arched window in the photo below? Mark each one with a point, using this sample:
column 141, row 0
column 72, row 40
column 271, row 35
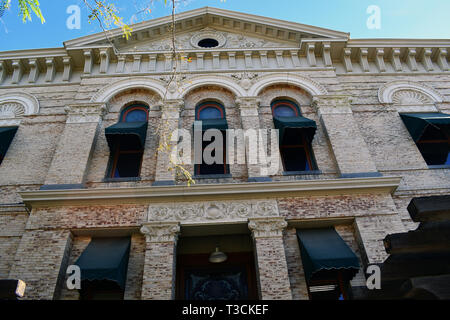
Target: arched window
column 210, row 110
column 296, row 133
column 285, row 108
column 126, row 140
column 134, row 113
column 212, row 116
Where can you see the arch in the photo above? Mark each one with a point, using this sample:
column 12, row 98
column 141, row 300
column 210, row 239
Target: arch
column 209, row 104
column 276, row 103
column 133, row 107
column 106, row 93
column 29, row 102
column 387, row 92
column 210, row 80
column 312, row 87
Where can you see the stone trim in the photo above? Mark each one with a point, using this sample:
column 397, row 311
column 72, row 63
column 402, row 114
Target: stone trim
column 85, row 113
column 254, row 190
column 387, row 92
column 14, row 106
column 218, row 211
column 157, row 232
column 267, row 227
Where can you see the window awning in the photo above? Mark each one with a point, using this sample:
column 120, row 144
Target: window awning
column 307, row 125
column 324, row 253
column 134, row 132
column 6, row 136
column 417, row 123
column 219, row 124
column 105, row 259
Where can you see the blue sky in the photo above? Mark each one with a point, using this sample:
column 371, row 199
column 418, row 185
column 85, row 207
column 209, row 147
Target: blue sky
column 399, row 18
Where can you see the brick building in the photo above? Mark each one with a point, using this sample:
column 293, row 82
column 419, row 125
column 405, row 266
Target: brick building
column 83, row 180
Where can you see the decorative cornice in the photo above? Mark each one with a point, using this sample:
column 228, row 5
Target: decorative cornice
column 85, row 113
column 157, row 232
column 211, row 192
column 267, row 227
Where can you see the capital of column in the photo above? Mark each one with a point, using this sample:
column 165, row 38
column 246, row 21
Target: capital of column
column 248, row 105
column 171, row 108
column 157, row 232
column 332, row 104
column 271, row 227
column 85, row 113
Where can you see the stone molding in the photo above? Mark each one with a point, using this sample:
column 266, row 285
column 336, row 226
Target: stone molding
column 158, row 232
column 271, row 227
column 193, row 212
column 248, row 106
column 388, row 93
column 85, row 113
column 208, row 33
column 332, row 104
column 14, row 106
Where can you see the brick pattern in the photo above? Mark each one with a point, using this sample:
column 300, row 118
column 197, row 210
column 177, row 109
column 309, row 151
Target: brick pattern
column 39, row 261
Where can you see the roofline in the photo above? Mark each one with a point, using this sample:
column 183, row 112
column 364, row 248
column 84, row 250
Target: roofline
column 221, row 12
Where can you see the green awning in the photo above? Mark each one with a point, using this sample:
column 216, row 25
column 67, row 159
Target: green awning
column 6, row 136
column 325, row 253
column 284, row 124
column 219, row 124
column 105, row 259
column 134, row 133
column 417, row 123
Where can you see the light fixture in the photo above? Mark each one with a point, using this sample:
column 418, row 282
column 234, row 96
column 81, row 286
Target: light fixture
column 217, row 256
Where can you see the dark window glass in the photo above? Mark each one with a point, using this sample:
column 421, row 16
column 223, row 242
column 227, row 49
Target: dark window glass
column 210, row 113
column 136, row 115
column 285, row 108
column 127, row 164
column 1, row 158
column 284, row 111
column 208, row 43
column 434, row 145
column 215, row 168
column 295, row 159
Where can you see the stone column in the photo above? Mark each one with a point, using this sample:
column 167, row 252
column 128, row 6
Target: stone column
column 349, row 148
column 70, row 161
column 160, row 260
column 169, row 123
column 272, row 267
column 41, row 261
column 250, row 121
column 370, row 232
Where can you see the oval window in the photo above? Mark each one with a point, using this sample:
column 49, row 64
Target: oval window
column 208, row 43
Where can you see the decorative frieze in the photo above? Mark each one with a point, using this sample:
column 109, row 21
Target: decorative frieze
column 158, row 232
column 270, row 227
column 85, row 113
column 195, row 212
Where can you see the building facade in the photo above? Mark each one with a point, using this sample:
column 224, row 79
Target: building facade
column 84, row 174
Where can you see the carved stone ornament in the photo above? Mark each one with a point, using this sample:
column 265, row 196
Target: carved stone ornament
column 85, row 113
column 410, row 97
column 10, row 113
column 193, row 212
column 267, row 227
column 161, row 231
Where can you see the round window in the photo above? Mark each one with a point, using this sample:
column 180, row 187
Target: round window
column 208, row 43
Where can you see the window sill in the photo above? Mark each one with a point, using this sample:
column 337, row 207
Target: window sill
column 444, row 166
column 132, row 179
column 301, row 173
column 212, row 176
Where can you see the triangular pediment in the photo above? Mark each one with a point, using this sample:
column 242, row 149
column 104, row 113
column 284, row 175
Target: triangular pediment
column 240, row 30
